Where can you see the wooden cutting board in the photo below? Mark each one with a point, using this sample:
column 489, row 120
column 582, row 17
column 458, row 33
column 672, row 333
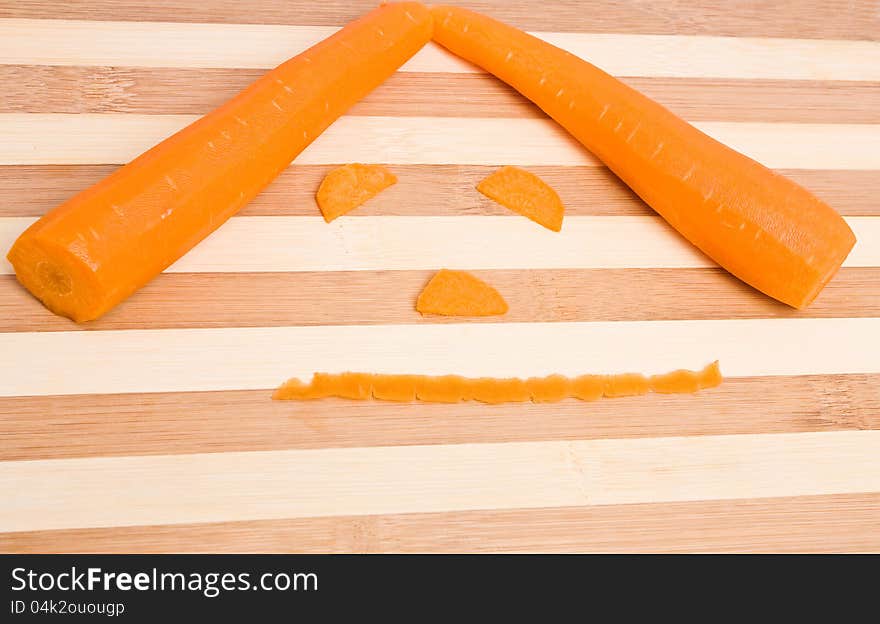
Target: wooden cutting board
column 152, row 429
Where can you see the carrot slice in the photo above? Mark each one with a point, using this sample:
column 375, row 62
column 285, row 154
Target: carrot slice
column 525, row 193
column 458, row 293
column 347, row 187
column 760, row 226
column 453, row 389
column 93, row 251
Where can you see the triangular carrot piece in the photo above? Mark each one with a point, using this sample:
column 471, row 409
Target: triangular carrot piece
column 349, row 186
column 525, row 193
column 457, row 293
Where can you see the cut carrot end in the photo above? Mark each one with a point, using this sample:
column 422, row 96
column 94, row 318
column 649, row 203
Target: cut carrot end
column 453, row 389
column 458, row 293
column 525, row 193
column 62, row 281
column 347, row 187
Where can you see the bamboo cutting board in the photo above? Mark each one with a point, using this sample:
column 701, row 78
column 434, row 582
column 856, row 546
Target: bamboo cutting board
column 152, row 429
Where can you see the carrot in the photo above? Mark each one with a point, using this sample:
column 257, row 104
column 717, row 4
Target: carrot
column 525, row 193
column 93, row 251
column 454, row 389
column 760, row 226
column 347, row 187
column 458, row 293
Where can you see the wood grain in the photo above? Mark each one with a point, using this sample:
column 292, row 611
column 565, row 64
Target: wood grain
column 821, row 19
column 819, row 524
column 163, row 408
column 49, row 138
column 145, row 90
column 248, row 358
column 295, row 244
column 107, row 425
column 418, row 479
column 322, row 298
column 31, row 190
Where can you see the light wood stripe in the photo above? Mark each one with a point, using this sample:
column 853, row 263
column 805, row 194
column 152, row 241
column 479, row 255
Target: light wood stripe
column 276, row 244
column 821, row 524
column 154, row 431
column 170, row 360
column 376, row 297
column 842, row 19
column 57, row 494
column 48, row 138
column 424, row 190
column 52, row 89
column 54, row 427
column 171, row 44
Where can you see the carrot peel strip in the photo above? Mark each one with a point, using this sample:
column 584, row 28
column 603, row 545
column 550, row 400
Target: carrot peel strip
column 458, row 293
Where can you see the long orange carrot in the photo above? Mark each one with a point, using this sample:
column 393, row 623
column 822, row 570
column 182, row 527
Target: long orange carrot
column 93, row 251
column 760, row 226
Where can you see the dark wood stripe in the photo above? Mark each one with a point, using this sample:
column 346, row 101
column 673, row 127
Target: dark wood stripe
column 823, row 524
column 822, row 19
column 50, row 89
column 385, row 297
column 205, row 422
column 423, row 190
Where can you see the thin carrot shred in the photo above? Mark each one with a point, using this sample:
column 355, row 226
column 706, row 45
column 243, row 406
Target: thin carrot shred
column 454, row 389
column 458, row 293
column 347, row 187
column 525, row 193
